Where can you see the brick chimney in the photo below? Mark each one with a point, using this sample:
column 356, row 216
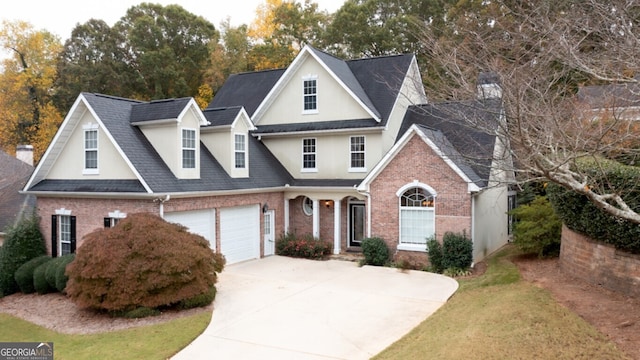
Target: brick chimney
column 25, row 153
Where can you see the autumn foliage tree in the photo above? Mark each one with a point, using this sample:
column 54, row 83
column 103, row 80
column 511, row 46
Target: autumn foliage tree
column 142, row 262
column 27, row 113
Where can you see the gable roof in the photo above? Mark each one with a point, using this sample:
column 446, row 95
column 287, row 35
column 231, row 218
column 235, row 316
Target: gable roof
column 373, row 82
column 463, row 131
column 14, row 174
column 226, row 117
column 246, row 90
column 154, row 176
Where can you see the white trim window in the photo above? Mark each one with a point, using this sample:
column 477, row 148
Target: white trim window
column 240, row 151
column 357, row 153
column 307, row 206
column 188, row 148
column 310, row 94
column 90, row 145
column 113, row 218
column 417, row 218
column 65, row 234
column 309, row 155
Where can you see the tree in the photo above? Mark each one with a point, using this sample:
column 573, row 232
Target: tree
column 281, row 29
column 381, row 27
column 229, row 56
column 94, row 60
column 542, row 53
column 27, row 115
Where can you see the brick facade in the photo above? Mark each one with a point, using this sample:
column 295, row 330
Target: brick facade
column 90, row 213
column 599, row 264
column 417, row 161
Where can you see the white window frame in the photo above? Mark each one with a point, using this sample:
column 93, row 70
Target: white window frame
column 186, row 147
column 307, row 206
column 363, row 168
column 237, row 151
column 115, row 216
column 305, row 79
column 90, row 129
column 314, row 153
column 428, row 210
column 64, row 234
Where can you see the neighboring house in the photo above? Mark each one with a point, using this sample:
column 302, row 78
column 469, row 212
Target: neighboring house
column 620, row 101
column 328, row 147
column 14, row 173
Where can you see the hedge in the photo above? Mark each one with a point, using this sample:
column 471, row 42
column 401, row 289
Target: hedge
column 579, row 214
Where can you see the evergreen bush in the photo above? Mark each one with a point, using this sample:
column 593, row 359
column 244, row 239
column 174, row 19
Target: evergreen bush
column 583, row 216
column 375, row 251
column 457, row 251
column 24, row 274
column 434, row 248
column 142, row 262
column 60, row 271
column 537, row 229
column 40, row 283
column 22, row 243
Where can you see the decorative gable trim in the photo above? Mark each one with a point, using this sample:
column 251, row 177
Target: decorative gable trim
column 57, row 145
column 397, row 148
column 288, row 75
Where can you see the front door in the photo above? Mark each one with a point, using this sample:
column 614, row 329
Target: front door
column 356, row 223
column 269, row 237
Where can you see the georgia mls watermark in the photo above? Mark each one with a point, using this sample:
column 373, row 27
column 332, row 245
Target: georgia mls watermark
column 26, row 351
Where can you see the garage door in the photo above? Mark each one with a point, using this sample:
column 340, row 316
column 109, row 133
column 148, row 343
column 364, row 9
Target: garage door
column 240, row 233
column 201, row 222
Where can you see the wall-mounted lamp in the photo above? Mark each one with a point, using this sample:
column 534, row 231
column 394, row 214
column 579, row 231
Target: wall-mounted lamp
column 265, row 207
column 327, row 203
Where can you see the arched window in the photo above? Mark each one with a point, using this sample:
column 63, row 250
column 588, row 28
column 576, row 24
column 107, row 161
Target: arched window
column 417, row 218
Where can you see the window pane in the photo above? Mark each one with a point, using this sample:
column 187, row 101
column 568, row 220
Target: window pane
column 188, row 138
column 309, row 153
column 91, row 159
column 416, row 226
column 189, row 159
column 357, row 152
column 240, row 164
column 91, row 139
column 310, row 92
column 65, row 235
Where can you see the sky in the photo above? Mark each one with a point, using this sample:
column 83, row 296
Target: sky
column 60, row 17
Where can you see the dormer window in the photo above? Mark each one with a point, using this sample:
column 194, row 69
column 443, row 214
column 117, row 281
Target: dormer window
column 240, row 151
column 90, row 149
column 188, row 148
column 310, row 97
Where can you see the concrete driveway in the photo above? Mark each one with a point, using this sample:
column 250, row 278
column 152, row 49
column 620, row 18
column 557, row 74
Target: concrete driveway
column 284, row 308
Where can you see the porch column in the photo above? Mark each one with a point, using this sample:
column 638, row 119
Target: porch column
column 316, row 218
column 336, row 226
column 286, row 215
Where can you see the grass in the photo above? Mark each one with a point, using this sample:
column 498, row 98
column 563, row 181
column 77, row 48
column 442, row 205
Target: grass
column 147, row 342
column 499, row 316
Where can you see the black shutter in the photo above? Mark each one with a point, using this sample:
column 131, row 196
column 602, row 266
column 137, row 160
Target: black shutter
column 54, row 235
column 73, row 234
column 107, row 222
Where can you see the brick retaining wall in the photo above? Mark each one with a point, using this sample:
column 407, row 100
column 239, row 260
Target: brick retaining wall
column 600, row 264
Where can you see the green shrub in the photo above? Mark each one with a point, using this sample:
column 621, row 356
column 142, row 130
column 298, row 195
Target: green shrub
column 142, row 262
column 434, row 248
column 457, row 251
column 583, row 216
column 40, row 283
column 22, row 243
column 537, row 229
column 303, row 247
column 198, row 300
column 60, row 275
column 24, row 274
column 375, row 251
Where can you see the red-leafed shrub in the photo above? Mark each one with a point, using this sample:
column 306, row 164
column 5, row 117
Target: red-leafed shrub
column 143, row 261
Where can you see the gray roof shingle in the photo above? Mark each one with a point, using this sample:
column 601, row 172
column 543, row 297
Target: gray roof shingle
column 463, row 130
column 14, row 174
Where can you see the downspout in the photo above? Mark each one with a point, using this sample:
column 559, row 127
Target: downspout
column 162, row 201
column 473, row 225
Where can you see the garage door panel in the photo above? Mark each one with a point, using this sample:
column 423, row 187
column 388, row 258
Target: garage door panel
column 201, row 222
column 240, row 233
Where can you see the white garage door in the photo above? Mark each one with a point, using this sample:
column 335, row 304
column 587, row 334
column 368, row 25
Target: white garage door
column 240, row 233
column 201, row 222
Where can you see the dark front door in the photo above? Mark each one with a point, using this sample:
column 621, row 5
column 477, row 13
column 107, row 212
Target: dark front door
column 356, row 223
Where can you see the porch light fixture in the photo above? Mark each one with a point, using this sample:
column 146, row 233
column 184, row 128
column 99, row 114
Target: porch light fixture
column 327, row 203
column 265, row 208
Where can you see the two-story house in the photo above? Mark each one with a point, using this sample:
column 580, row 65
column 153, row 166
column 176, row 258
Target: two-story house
column 342, row 150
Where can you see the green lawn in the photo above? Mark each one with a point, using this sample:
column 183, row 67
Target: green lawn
column 499, row 316
column 147, row 342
